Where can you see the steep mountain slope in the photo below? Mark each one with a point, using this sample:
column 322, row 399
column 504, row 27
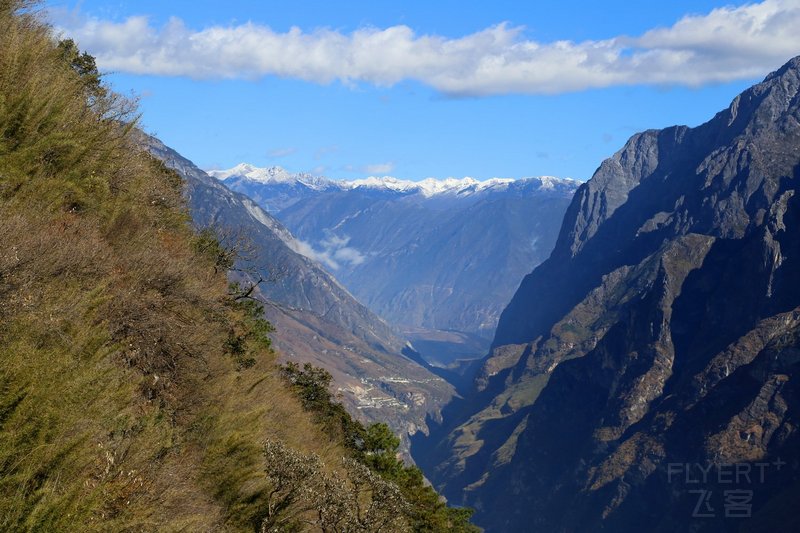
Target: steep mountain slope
column 661, row 337
column 317, row 319
column 429, row 255
column 121, row 407
column 138, row 391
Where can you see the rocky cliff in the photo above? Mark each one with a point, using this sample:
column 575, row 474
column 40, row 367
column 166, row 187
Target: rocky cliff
column 658, row 341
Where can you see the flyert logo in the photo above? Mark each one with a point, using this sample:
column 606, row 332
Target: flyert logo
column 733, row 486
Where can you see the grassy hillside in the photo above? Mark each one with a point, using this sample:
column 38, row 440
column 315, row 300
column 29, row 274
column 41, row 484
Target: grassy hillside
column 136, row 393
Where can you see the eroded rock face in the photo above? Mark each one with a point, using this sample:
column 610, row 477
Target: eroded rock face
column 662, row 332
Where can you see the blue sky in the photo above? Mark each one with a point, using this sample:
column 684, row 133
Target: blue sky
column 411, row 99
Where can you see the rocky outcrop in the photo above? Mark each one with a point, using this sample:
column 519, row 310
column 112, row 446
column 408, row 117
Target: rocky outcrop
column 660, row 338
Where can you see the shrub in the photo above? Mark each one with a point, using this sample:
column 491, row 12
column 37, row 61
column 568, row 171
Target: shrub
column 305, row 495
column 375, row 448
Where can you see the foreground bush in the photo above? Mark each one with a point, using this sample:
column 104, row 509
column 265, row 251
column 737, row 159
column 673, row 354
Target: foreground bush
column 375, row 448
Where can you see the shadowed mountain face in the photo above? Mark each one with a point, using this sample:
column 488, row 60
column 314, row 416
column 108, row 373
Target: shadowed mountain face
column 430, row 256
column 659, row 340
column 316, row 319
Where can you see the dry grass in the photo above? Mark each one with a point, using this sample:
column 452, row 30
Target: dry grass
column 119, row 408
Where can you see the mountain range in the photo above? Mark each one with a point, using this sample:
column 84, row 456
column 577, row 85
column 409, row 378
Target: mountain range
column 659, row 340
column 316, row 319
column 438, row 258
column 639, row 332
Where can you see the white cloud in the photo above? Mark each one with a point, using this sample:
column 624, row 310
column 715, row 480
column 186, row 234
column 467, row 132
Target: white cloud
column 726, row 44
column 320, row 256
column 350, row 255
column 337, row 247
column 334, row 241
column 378, row 169
column 334, row 253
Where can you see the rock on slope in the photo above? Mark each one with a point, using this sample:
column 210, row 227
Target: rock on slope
column 316, row 319
column 662, row 332
column 435, row 255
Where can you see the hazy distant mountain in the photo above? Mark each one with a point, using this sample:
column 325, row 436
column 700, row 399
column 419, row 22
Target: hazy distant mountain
column 427, row 255
column 317, row 319
column 285, row 188
column 661, row 337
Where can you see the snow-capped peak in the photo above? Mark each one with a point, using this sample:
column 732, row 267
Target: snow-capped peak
column 270, row 175
column 428, row 187
column 253, row 173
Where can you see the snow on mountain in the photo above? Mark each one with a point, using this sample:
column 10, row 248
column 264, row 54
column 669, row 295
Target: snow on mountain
column 441, row 254
column 271, row 175
column 428, row 187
